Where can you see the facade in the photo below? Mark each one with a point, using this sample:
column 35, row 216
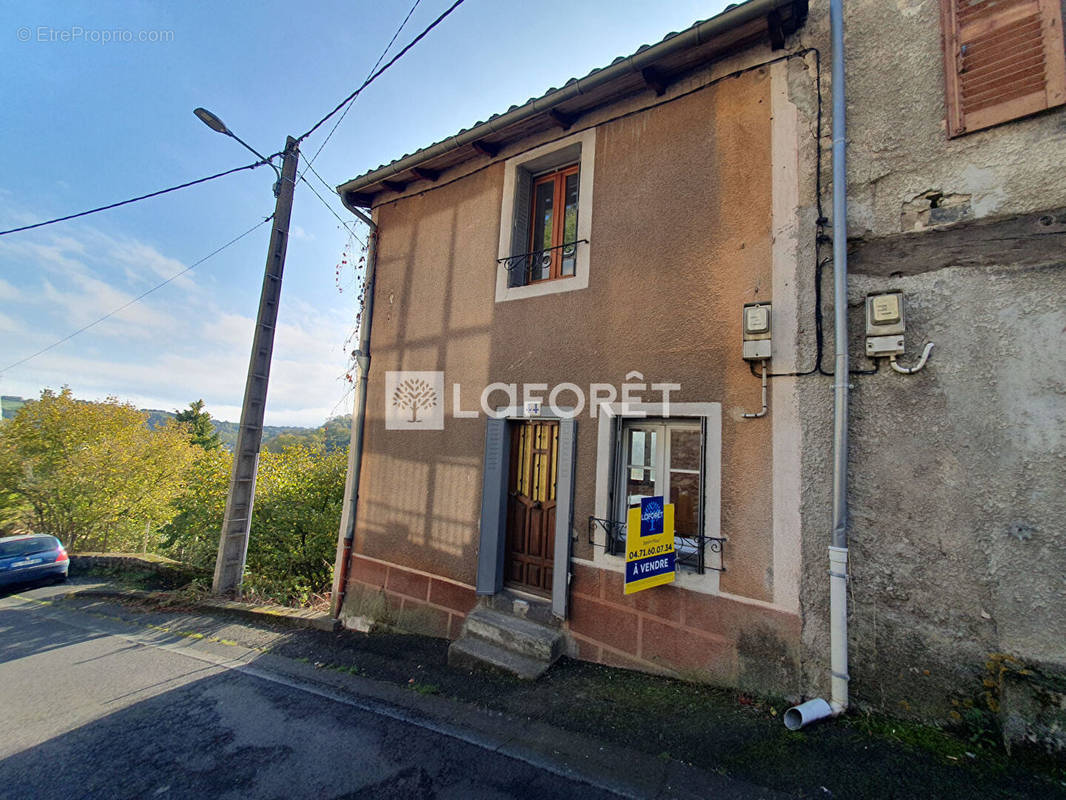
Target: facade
column 558, row 329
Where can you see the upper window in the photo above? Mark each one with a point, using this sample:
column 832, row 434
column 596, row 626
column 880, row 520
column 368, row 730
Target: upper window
column 1003, row 59
column 553, row 246
column 546, row 219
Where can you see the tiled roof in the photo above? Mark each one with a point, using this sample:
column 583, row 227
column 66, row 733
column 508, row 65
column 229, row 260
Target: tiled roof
column 546, row 94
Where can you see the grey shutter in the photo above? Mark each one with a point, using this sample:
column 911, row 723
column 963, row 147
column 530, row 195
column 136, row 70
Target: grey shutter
column 614, row 490
column 564, row 515
column 520, row 226
column 701, row 539
column 493, row 508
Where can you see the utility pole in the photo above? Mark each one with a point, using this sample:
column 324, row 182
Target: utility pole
column 233, row 543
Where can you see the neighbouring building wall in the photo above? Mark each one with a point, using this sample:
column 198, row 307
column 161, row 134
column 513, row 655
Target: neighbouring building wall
column 686, row 229
column 956, row 494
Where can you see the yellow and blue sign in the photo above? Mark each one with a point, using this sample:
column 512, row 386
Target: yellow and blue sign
column 650, row 558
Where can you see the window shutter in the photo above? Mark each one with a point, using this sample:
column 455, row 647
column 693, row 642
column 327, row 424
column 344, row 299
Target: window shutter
column 564, row 515
column 520, row 233
column 493, row 508
column 614, row 488
column 1003, row 59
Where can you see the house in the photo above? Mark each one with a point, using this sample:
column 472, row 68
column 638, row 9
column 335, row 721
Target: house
column 614, row 291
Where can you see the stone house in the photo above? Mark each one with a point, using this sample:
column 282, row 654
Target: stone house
column 574, row 302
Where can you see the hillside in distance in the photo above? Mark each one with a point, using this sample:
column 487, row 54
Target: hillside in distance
column 332, row 434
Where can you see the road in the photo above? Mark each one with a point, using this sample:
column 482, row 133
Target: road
column 94, row 710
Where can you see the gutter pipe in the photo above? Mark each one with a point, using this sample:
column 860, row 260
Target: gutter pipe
column 813, row 710
column 696, row 35
column 355, row 446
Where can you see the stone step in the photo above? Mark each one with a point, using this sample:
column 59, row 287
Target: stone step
column 471, row 653
column 524, row 606
column 521, row 636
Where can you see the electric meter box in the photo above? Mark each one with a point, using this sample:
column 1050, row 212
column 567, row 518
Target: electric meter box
column 757, row 327
column 885, row 324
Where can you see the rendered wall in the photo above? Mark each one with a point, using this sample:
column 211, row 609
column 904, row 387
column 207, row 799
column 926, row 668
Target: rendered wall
column 956, row 473
column 681, row 239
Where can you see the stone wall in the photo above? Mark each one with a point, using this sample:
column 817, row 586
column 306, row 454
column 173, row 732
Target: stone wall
column 956, row 473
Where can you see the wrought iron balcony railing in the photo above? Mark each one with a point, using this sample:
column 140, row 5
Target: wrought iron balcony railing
column 525, row 268
column 691, row 550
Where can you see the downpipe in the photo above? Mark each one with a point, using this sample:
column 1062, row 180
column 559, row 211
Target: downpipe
column 346, row 533
column 817, row 709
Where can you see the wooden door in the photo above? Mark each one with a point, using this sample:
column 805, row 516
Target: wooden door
column 531, row 505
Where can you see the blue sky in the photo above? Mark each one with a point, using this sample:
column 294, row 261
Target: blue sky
column 88, row 122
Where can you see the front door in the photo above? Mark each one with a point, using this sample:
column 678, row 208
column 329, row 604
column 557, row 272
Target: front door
column 531, row 505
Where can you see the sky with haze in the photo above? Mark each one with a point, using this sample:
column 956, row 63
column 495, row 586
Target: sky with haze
column 88, row 122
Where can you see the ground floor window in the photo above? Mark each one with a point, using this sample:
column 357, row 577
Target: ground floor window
column 662, row 457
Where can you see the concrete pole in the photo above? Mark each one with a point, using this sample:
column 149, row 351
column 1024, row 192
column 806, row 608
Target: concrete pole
column 233, row 543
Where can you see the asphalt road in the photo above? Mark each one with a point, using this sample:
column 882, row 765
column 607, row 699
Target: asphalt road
column 92, row 710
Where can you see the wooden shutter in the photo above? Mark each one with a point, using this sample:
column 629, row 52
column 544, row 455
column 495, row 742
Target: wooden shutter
column 1003, row 59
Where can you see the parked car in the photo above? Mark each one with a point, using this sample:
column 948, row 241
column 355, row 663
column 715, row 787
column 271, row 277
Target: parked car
column 32, row 557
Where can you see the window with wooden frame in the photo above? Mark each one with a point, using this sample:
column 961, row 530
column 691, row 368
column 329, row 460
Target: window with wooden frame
column 1003, row 59
column 546, row 219
column 553, row 226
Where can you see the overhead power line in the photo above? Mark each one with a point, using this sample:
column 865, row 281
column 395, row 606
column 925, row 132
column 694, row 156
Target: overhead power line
column 139, row 297
column 373, row 76
column 377, row 74
column 350, row 103
column 332, row 211
column 136, row 199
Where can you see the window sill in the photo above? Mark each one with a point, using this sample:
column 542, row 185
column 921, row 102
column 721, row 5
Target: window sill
column 569, row 283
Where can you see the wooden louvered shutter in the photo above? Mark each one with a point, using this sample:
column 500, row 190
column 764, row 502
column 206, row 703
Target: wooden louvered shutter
column 1003, row 59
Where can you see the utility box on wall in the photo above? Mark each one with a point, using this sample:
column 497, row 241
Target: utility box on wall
column 757, row 327
column 885, row 324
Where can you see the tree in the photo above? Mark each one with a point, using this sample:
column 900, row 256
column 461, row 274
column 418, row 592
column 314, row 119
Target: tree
column 337, row 433
column 192, row 535
column 198, row 421
column 92, row 474
column 299, row 494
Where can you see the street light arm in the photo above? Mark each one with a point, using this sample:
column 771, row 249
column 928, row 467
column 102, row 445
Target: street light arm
column 218, row 126
column 254, row 152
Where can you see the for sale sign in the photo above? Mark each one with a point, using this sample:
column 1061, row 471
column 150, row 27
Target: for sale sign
column 650, row 558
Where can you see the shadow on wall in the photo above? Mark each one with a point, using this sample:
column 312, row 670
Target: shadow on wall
column 421, row 493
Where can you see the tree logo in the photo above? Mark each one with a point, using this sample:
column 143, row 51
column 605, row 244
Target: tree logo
column 413, row 400
column 415, row 395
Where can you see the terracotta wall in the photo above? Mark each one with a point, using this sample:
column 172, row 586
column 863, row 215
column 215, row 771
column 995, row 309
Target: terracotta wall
column 681, row 239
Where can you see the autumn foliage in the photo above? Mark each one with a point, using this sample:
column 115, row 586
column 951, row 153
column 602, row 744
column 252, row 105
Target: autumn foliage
column 98, row 477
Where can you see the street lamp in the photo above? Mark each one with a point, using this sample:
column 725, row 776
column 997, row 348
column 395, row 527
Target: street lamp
column 215, row 124
column 233, row 542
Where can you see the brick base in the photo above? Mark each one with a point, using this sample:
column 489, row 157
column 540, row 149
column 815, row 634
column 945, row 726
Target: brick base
column 406, row 599
column 665, row 630
column 672, row 631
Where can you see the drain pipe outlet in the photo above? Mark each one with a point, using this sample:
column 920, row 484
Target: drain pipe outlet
column 806, row 713
column 813, row 710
